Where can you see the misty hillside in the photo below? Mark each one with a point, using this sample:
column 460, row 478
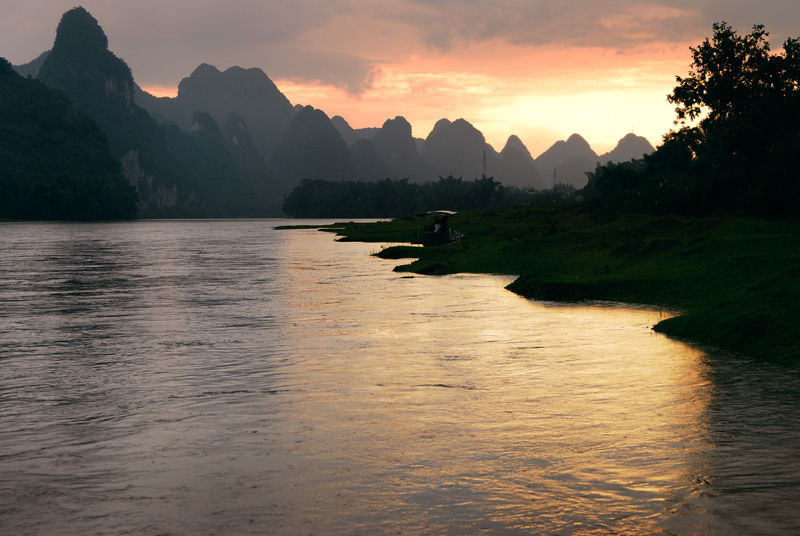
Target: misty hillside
column 171, row 169
column 249, row 93
column 101, row 85
column 312, row 149
column 566, row 162
column 32, row 67
column 231, row 143
column 350, row 134
column 517, row 167
column 457, row 148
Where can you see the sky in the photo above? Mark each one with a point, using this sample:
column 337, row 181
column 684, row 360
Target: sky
column 540, row 69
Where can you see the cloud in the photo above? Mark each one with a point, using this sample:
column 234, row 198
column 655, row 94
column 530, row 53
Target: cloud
column 614, row 24
column 611, row 24
column 164, row 40
column 346, row 43
column 353, row 74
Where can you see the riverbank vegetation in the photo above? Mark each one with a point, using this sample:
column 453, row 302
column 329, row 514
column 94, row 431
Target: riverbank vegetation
column 735, row 282
column 707, row 226
column 391, row 198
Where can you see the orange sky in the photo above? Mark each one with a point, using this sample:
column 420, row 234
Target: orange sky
column 539, row 69
column 541, row 95
column 541, row 104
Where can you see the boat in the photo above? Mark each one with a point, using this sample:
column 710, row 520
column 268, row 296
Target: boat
column 438, row 227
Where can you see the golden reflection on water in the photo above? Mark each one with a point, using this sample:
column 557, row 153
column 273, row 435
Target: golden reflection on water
column 432, row 399
column 220, row 377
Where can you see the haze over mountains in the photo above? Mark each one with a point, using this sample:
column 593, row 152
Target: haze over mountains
column 183, row 163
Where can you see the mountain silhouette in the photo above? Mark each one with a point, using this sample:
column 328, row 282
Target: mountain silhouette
column 249, row 93
column 186, row 164
column 398, row 148
column 351, row 135
column 567, row 162
column 176, row 174
column 457, row 148
column 101, row 85
column 81, row 65
column 312, row 149
column 630, row 147
column 32, row 67
column 517, row 167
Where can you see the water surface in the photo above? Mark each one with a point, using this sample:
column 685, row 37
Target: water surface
column 220, row 377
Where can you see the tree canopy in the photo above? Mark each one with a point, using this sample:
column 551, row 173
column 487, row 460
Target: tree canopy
column 389, row 198
column 737, row 148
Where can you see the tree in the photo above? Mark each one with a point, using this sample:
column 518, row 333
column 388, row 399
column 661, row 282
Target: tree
column 726, row 72
column 745, row 101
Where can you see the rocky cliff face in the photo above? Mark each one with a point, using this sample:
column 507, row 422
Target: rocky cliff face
column 101, row 85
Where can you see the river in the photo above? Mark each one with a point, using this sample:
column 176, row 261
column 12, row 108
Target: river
column 221, row 377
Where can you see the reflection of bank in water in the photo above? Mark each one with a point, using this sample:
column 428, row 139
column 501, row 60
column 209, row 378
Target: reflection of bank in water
column 438, row 227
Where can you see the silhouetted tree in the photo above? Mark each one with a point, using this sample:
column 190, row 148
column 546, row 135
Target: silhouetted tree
column 738, row 146
column 746, row 105
column 389, row 198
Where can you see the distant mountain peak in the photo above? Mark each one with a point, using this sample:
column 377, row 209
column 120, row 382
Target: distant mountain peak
column 439, row 126
column 205, row 69
column 630, row 147
column 248, row 81
column 577, row 139
column 80, row 31
column 567, row 161
column 81, row 65
column 514, row 143
column 32, row 67
column 339, row 120
column 398, row 125
column 394, row 139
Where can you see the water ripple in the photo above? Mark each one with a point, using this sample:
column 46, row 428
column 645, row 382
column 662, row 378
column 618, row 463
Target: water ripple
column 208, row 377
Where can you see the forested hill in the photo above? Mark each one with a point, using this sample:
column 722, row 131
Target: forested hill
column 55, row 163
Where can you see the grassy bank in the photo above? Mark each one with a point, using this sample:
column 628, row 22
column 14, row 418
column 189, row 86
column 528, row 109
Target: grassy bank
column 737, row 281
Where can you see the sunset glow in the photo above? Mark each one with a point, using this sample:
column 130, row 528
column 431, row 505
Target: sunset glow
column 161, row 91
column 539, row 70
column 541, row 105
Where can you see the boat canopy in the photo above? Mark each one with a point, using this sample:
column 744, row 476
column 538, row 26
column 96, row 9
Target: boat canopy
column 441, row 231
column 440, row 213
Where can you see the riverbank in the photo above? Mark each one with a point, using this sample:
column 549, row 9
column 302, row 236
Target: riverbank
column 736, row 281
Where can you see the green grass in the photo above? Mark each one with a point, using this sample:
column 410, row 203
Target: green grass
column 736, row 282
